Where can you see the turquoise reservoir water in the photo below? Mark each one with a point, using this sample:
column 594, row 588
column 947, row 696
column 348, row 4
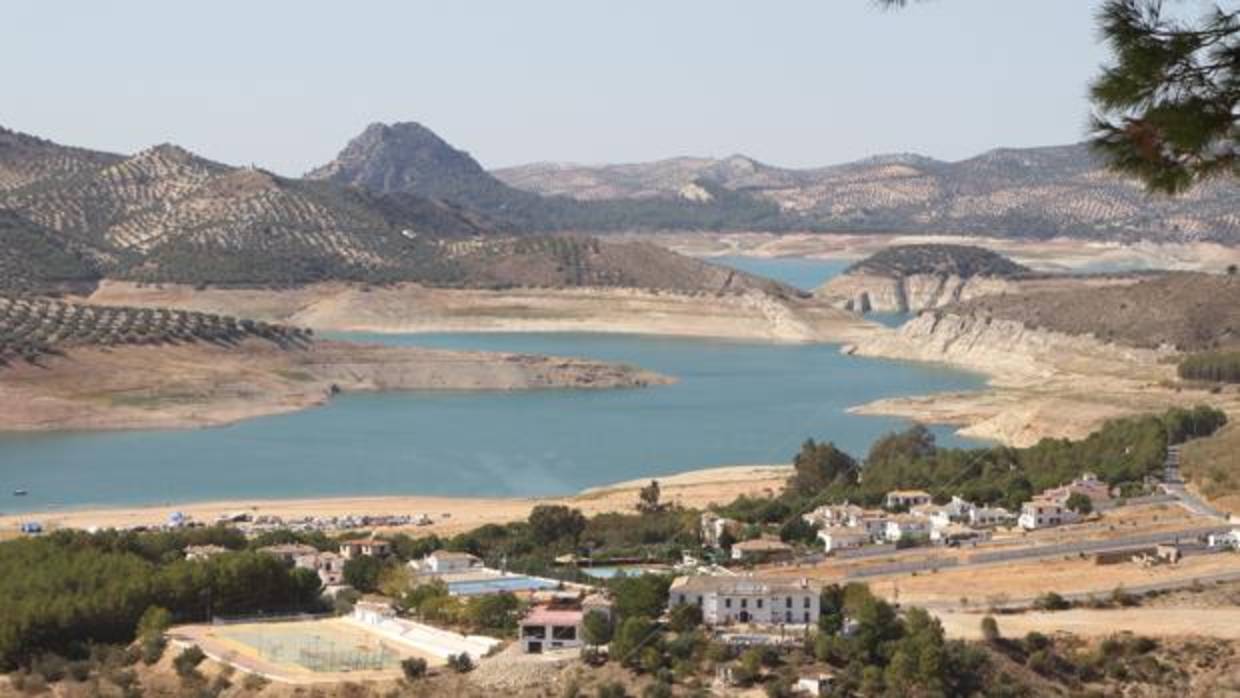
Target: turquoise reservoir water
column 735, row 403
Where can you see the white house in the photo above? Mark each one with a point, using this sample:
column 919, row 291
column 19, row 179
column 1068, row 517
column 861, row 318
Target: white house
column 1041, row 512
column 1230, row 539
column 843, row 537
column 953, row 534
column 981, row 517
column 713, row 527
column 746, row 599
column 907, row 499
column 289, row 552
column 906, row 527
column 833, row 515
column 873, row 522
column 445, row 562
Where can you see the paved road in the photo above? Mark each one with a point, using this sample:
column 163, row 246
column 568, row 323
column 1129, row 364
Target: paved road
column 1159, row 622
column 1040, row 552
column 1173, row 484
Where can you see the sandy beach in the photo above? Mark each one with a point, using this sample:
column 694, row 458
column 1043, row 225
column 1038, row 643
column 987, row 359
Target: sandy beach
column 451, row 515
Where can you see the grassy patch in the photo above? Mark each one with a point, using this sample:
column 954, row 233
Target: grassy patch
column 1212, row 463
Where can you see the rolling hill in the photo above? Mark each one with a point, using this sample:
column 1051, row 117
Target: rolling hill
column 168, row 215
column 1009, row 192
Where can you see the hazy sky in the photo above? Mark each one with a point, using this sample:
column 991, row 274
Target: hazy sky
column 285, row 84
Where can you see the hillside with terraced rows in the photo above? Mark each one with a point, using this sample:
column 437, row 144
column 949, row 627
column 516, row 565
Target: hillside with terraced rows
column 31, row 328
column 166, row 215
column 1009, row 192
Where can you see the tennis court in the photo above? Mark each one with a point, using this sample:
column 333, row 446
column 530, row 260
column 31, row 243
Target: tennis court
column 304, row 650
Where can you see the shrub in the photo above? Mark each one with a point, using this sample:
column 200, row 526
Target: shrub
column 685, row 617
column 460, row 663
column 186, row 663
column 1051, row 601
column 990, row 629
column 254, row 683
column 612, row 689
column 153, row 649
column 414, row 668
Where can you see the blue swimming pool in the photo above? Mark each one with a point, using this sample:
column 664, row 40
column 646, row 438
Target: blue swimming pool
column 475, row 587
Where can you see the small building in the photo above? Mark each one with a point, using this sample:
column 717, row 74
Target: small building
column 938, row 516
column 714, row 526
column 445, row 562
column 1087, row 484
column 202, row 553
column 728, row 599
column 371, row 612
column 552, row 626
column 815, row 685
column 761, row 550
column 1230, row 539
column 1043, row 512
column 289, row 552
column 365, row 547
column 873, row 522
column 906, row 527
column 830, row 515
column 328, row 565
column 986, row 517
column 907, row 499
column 955, row 534
column 843, row 537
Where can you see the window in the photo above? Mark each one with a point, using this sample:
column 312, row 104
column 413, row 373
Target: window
column 564, row 632
column 744, row 603
column 788, row 616
column 759, row 603
column 727, row 603
column 788, row 602
column 805, row 603
column 534, row 631
column 807, row 616
column 699, row 603
column 682, row 598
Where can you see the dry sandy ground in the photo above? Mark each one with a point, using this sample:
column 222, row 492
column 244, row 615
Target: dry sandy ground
column 692, row 489
column 196, row 385
column 408, row 308
column 1223, row 623
column 1022, row 581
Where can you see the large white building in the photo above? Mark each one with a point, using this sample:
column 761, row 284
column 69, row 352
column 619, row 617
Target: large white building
column 1042, row 512
column 907, row 527
column 445, row 562
column 725, row 600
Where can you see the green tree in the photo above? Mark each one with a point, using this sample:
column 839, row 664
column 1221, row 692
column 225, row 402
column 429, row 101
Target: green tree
column 634, row 633
column 596, row 628
column 684, row 617
column 1079, row 503
column 818, row 466
column 553, row 522
column 643, row 595
column 362, row 573
column 648, row 499
column 495, row 612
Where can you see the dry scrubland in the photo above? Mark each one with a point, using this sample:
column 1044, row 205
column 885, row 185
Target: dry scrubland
column 1213, row 467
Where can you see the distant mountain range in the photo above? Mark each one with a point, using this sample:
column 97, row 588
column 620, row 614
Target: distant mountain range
column 400, row 204
column 69, row 215
column 1008, row 192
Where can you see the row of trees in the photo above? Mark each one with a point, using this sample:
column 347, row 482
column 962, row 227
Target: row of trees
column 1215, row 366
column 62, row 592
column 1123, row 452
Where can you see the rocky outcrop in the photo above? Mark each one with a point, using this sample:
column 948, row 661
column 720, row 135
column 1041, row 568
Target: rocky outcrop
column 863, row 293
column 1008, row 349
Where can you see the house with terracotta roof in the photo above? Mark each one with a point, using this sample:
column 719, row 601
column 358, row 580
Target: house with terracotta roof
column 761, row 550
column 746, row 599
column 365, row 547
column 907, row 499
